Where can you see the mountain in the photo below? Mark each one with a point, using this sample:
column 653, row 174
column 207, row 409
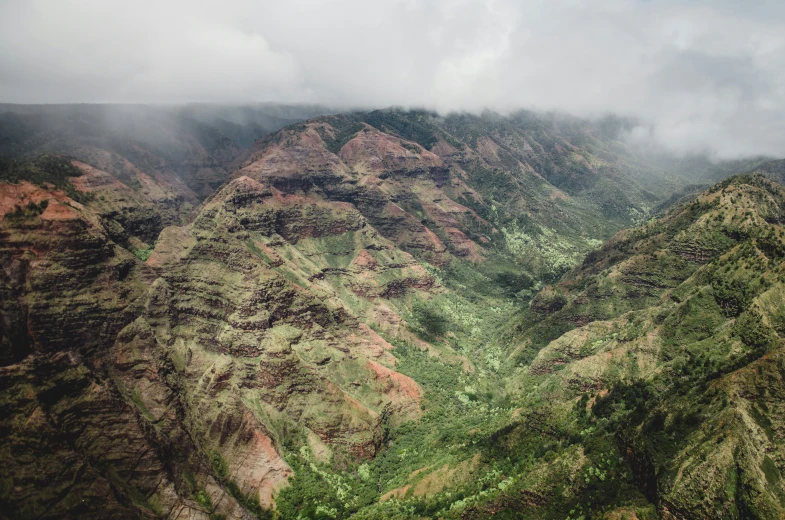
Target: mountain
column 380, row 314
column 670, row 341
column 204, row 359
column 543, row 190
column 644, row 384
column 188, row 149
column 774, row 170
column 151, row 165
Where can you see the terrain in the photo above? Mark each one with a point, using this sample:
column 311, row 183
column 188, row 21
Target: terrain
column 187, row 150
column 382, row 314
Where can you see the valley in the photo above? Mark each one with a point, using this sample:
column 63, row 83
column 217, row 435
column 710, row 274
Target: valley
column 382, row 314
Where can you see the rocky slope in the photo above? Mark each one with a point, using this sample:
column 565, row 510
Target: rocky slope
column 383, row 315
column 169, row 387
column 187, row 151
column 542, row 190
column 644, row 384
column 676, row 350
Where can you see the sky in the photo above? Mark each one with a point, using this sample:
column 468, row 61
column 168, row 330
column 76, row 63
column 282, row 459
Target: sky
column 701, row 76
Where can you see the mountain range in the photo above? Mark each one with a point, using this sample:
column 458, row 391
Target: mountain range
column 294, row 312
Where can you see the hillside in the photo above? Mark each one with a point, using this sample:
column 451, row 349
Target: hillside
column 188, row 149
column 541, row 190
column 670, row 343
column 644, row 384
column 206, row 357
column 382, row 315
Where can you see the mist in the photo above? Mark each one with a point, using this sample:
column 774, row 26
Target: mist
column 700, row 76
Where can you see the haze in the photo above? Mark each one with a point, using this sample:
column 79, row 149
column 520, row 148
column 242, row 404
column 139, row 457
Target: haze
column 701, row 76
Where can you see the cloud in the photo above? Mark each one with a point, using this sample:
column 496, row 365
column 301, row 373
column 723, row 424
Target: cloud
column 702, row 75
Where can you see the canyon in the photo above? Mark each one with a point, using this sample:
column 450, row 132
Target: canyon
column 384, row 314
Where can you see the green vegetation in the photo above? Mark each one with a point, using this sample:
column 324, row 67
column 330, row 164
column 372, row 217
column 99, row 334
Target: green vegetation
column 344, row 129
column 318, row 493
column 431, row 323
column 204, row 500
column 549, row 431
column 44, row 170
column 413, row 125
column 143, row 253
column 556, row 376
column 467, row 448
column 30, row 211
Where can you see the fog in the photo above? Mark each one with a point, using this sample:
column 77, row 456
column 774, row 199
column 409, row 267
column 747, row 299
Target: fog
column 701, row 76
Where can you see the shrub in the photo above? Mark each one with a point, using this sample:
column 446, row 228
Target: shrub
column 30, row 211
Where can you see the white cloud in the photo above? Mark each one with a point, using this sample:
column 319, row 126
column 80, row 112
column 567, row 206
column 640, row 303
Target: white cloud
column 705, row 75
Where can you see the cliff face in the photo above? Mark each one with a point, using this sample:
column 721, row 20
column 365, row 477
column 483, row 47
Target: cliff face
column 396, row 188
column 71, row 444
column 168, row 387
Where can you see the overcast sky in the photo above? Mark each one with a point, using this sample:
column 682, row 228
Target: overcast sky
column 706, row 74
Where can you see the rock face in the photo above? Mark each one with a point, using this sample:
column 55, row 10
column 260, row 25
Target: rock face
column 71, row 444
column 378, row 175
column 186, row 151
column 167, row 388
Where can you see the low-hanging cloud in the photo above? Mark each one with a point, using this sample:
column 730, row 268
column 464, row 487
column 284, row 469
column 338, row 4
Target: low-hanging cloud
column 701, row 75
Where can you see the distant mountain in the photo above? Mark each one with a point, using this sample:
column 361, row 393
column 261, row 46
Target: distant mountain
column 542, row 189
column 774, row 170
column 244, row 124
column 189, row 148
